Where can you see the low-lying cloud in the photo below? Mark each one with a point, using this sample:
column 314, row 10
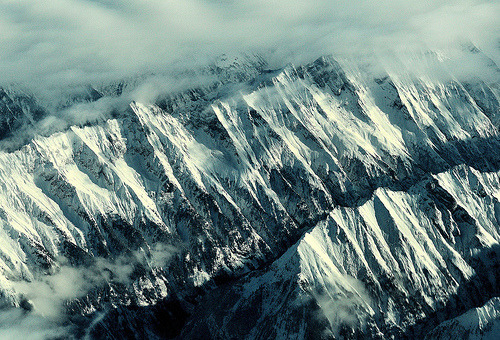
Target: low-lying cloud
column 43, row 314
column 58, row 42
column 15, row 324
column 351, row 308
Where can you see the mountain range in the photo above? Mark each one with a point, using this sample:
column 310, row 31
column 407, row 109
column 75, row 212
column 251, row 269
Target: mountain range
column 323, row 200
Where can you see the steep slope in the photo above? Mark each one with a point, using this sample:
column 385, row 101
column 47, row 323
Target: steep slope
column 400, row 259
column 18, row 110
column 155, row 208
column 478, row 323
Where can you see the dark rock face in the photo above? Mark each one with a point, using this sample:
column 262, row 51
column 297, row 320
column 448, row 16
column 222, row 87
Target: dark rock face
column 310, row 203
column 17, row 110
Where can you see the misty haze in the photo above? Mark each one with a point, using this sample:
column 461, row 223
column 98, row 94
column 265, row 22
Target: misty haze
column 201, row 169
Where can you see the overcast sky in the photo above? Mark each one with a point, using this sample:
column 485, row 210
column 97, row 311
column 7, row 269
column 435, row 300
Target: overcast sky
column 61, row 42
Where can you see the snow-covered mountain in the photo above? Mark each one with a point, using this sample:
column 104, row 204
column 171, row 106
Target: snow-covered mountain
column 478, row 323
column 311, row 201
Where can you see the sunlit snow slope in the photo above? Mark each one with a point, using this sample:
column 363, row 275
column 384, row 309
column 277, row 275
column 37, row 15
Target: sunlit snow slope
column 310, row 201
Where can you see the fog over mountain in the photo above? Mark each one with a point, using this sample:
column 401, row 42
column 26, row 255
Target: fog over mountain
column 253, row 169
column 49, row 43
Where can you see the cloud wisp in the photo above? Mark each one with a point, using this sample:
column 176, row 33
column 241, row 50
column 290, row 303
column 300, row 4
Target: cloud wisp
column 59, row 42
column 42, row 313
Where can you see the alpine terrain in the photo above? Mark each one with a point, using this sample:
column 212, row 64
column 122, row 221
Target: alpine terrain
column 321, row 200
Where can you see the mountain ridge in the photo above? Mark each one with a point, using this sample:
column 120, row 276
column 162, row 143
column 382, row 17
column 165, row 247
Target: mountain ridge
column 218, row 187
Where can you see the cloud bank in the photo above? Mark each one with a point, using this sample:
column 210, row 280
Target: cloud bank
column 43, row 315
column 59, row 42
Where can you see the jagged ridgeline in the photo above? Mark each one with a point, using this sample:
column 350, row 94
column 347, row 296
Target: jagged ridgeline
column 311, row 201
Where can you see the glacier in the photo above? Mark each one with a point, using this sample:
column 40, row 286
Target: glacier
column 312, row 201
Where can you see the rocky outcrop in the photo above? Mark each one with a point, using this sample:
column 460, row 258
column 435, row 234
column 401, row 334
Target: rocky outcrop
column 315, row 201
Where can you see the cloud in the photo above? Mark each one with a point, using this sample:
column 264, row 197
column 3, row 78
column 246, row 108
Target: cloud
column 350, row 307
column 160, row 254
column 42, row 314
column 60, row 42
column 47, row 295
column 16, row 324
